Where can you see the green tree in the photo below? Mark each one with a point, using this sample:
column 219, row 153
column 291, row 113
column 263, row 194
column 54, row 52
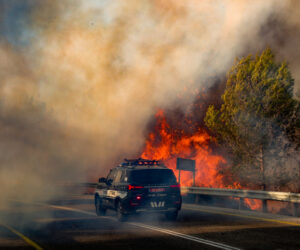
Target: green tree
column 258, row 109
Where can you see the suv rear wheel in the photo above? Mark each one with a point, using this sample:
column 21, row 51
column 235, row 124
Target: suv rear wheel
column 100, row 210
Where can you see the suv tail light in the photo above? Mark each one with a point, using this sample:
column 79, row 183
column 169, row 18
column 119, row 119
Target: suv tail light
column 175, row 186
column 136, row 201
column 131, row 187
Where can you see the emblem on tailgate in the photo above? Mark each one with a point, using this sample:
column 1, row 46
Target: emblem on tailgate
column 157, row 204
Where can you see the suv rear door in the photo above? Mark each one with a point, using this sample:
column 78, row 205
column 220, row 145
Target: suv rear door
column 160, row 187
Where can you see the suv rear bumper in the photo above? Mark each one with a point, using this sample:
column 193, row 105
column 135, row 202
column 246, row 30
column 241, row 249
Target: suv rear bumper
column 148, row 209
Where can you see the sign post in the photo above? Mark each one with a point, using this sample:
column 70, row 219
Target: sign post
column 187, row 165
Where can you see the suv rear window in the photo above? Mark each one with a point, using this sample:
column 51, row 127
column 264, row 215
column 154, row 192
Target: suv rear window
column 152, row 176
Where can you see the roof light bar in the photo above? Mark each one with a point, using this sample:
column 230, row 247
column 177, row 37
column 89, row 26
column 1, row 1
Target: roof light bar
column 140, row 162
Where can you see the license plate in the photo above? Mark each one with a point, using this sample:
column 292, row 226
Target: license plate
column 157, row 204
column 157, row 190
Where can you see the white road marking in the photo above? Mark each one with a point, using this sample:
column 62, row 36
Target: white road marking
column 153, row 228
column 185, row 236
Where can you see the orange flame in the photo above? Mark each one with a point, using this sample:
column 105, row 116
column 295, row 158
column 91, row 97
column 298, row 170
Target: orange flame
column 167, row 144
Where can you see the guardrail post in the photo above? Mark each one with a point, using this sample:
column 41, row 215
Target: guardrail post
column 295, row 209
column 264, row 206
column 241, row 203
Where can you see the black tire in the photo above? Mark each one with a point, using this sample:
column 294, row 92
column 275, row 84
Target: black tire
column 171, row 216
column 120, row 213
column 100, row 210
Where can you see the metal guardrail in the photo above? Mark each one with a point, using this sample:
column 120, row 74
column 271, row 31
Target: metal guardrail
column 293, row 198
column 251, row 194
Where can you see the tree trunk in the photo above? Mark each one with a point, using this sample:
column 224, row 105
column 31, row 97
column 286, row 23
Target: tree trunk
column 262, row 167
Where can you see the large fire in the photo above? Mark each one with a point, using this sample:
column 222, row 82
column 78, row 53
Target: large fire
column 164, row 144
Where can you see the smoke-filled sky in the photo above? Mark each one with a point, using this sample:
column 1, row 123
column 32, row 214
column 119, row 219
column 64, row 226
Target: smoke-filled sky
column 80, row 79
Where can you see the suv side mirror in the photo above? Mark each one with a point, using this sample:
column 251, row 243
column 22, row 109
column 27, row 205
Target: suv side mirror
column 102, row 180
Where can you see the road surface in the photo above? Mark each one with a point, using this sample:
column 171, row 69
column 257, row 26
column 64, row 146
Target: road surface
column 72, row 224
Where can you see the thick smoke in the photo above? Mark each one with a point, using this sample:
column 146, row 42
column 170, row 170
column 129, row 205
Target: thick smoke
column 282, row 33
column 81, row 79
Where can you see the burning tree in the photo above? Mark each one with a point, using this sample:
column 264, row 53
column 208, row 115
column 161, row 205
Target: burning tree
column 258, row 116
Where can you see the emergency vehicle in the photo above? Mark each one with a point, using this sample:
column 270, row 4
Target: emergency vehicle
column 136, row 186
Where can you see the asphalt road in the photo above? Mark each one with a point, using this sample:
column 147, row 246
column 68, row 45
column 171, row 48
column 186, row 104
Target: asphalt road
column 72, row 224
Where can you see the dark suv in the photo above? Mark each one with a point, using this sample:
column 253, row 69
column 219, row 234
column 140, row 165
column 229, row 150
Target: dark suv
column 139, row 185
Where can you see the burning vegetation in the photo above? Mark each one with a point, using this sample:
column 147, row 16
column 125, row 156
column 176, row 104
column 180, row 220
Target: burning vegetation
column 257, row 119
column 251, row 123
column 167, row 143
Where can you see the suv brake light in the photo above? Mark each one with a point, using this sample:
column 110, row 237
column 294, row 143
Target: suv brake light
column 175, row 186
column 131, row 187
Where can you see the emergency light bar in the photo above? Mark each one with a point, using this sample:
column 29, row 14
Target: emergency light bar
column 140, row 162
